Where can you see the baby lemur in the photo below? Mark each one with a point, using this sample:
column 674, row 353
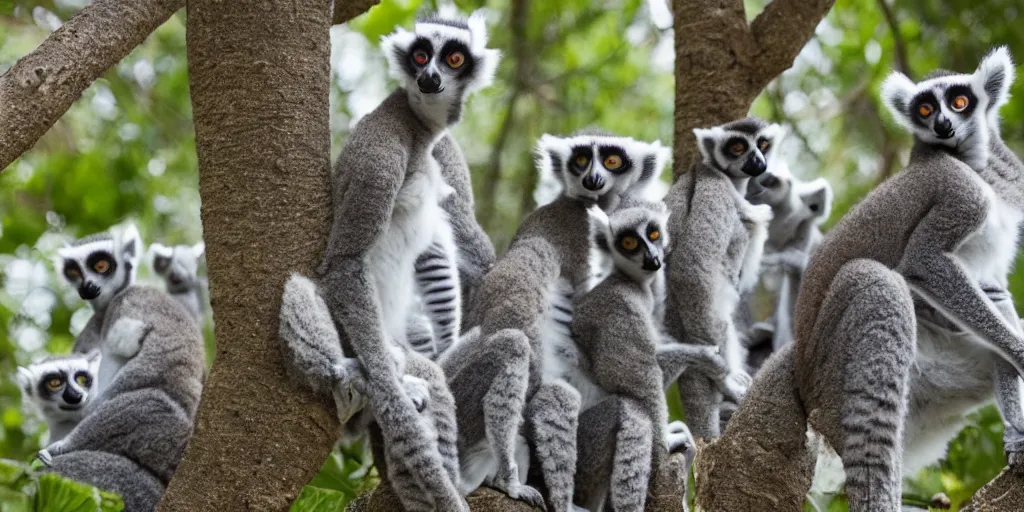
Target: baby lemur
column 498, row 380
column 179, row 267
column 716, row 254
column 60, row 389
column 148, row 387
column 388, row 188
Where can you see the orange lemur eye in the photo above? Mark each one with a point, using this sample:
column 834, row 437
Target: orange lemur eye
column 925, row 110
column 455, row 60
column 101, row 266
column 960, row 103
column 629, row 243
column 420, row 57
column 612, row 162
column 738, row 148
column 654, row 236
column 54, row 384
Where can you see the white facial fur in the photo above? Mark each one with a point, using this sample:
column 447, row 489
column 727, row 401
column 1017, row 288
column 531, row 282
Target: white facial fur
column 121, row 249
column 441, row 109
column 644, row 160
column 178, row 265
column 607, row 232
column 968, row 129
column 715, row 146
column 67, row 401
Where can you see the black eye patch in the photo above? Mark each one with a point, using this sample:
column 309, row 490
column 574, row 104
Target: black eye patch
column 101, row 256
column 955, row 92
column 734, row 147
column 45, row 391
column 614, row 159
column 925, row 98
column 654, row 232
column 579, row 159
column 406, row 56
column 628, row 242
column 468, row 64
column 72, row 272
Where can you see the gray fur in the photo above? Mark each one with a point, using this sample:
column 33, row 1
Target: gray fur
column 717, row 242
column 154, row 351
column 63, row 406
column 946, row 231
column 139, row 489
column 179, row 267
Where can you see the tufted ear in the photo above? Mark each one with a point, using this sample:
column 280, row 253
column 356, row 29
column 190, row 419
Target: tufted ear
column 199, row 249
column 477, row 30
column 897, row 91
column 706, row 138
column 25, row 379
column 995, row 76
column 129, row 243
column 817, row 196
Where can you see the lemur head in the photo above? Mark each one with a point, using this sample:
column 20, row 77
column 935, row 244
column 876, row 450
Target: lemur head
column 178, row 265
column 591, row 164
column 739, row 149
column 633, row 236
column 954, row 110
column 102, row 265
column 60, row 386
column 780, row 190
column 440, row 62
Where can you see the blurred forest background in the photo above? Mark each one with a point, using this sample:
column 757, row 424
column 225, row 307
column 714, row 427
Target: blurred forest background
column 126, row 149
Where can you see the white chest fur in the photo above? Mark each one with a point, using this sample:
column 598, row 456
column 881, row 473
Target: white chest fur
column 417, row 215
column 989, row 253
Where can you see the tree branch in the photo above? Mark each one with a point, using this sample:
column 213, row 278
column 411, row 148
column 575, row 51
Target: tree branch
column 902, row 62
column 781, row 31
column 41, row 86
column 259, row 80
column 345, row 10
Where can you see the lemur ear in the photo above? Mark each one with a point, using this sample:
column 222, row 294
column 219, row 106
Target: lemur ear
column 817, row 196
column 706, row 141
column 199, row 249
column 897, row 90
column 995, row 75
column 477, row 30
column 25, row 379
column 599, row 226
column 130, row 243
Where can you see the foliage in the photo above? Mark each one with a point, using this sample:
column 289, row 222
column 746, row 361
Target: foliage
column 126, row 151
column 22, row 489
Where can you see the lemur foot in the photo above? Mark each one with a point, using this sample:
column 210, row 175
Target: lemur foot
column 735, row 385
column 47, row 454
column 418, row 391
column 124, row 338
column 349, row 389
column 679, row 439
column 45, row 457
column 524, row 493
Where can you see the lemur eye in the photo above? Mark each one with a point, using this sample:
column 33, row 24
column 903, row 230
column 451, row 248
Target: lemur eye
column 581, row 160
column 612, row 162
column 455, row 60
column 764, row 145
column 54, row 384
column 82, row 380
column 960, row 103
column 101, row 266
column 629, row 243
column 72, row 273
column 925, row 110
column 654, row 236
column 738, row 148
column 420, row 57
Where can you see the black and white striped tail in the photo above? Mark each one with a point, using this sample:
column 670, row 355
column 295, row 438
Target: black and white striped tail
column 437, row 277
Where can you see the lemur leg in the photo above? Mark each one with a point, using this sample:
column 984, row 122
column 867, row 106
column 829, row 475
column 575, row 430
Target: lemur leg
column 631, row 466
column 674, row 358
column 595, row 443
column 1008, row 386
column 701, row 400
column 552, row 414
column 855, row 384
column 437, row 277
column 440, row 409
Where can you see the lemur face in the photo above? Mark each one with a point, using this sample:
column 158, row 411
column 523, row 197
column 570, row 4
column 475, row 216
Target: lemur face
column 951, row 109
column 740, row 148
column 634, row 237
column 442, row 60
column 594, row 165
column 178, row 265
column 60, row 386
column 101, row 265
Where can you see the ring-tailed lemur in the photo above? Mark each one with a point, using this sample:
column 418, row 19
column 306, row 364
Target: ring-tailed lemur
column 100, row 269
column 717, row 238
column 798, row 209
column 60, row 389
column 387, row 190
column 618, row 338
column 148, row 386
column 498, row 380
column 885, row 385
column 179, row 267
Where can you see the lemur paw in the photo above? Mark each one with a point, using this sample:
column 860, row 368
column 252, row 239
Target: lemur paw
column 679, row 439
column 527, row 494
column 349, row 389
column 418, row 391
column 124, row 338
column 45, row 457
column 735, row 385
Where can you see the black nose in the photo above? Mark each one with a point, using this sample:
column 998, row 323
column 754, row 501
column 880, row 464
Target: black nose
column 88, row 291
column 72, row 397
column 174, row 279
column 755, row 165
column 429, row 83
column 593, row 182
column 651, row 262
column 943, row 127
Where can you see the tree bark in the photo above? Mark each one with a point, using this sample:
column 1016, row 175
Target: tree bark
column 345, row 10
column 43, row 84
column 259, row 79
column 1004, row 493
column 723, row 63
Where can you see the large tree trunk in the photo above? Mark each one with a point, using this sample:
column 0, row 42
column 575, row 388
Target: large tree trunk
column 42, row 85
column 259, row 77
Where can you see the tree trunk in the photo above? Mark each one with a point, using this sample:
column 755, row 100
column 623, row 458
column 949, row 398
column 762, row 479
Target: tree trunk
column 723, row 62
column 1005, row 493
column 43, row 84
column 259, row 79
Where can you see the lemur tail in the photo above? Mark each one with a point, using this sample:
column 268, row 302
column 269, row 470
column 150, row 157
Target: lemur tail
column 310, row 345
column 770, row 426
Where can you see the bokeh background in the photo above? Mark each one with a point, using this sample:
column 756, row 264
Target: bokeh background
column 125, row 150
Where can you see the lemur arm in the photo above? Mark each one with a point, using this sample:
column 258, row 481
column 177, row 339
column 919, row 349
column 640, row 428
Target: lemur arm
column 1008, row 385
column 674, row 358
column 934, row 273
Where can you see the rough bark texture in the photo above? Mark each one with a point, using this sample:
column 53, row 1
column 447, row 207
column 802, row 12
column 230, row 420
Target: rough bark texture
column 43, row 84
column 259, row 78
column 723, row 62
column 1004, row 493
column 345, row 10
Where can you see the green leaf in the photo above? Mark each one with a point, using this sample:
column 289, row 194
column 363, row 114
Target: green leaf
column 11, row 471
column 382, row 18
column 59, row 494
column 316, row 499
